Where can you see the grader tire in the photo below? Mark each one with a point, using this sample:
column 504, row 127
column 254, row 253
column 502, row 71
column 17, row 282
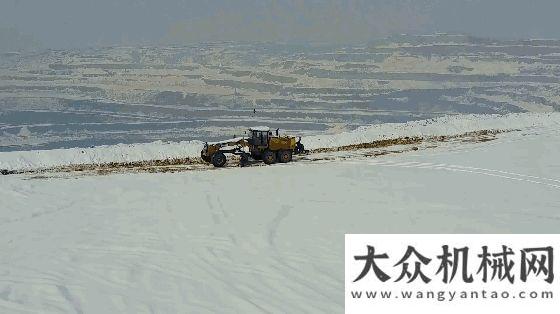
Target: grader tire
column 284, row 156
column 269, row 157
column 219, row 160
column 243, row 160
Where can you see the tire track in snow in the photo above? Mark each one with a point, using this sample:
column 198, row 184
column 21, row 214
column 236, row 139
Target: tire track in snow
column 473, row 170
column 219, row 215
column 282, row 261
column 505, row 173
column 275, row 223
column 71, row 300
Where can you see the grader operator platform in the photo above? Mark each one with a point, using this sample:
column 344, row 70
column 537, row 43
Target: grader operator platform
column 260, row 144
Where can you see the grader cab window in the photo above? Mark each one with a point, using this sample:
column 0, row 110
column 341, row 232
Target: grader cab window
column 260, row 138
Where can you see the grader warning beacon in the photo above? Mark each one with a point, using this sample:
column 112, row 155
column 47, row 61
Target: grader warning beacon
column 260, row 144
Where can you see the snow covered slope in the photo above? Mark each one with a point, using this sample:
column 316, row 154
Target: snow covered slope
column 221, row 241
column 27, row 160
column 448, row 125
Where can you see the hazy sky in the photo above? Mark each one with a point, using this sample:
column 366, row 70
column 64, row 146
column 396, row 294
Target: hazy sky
column 81, row 23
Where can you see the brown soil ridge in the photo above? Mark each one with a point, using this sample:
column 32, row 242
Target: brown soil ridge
column 475, row 135
column 174, row 164
column 374, row 144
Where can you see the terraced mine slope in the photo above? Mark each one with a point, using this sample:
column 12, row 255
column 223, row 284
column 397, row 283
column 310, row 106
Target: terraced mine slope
column 82, row 98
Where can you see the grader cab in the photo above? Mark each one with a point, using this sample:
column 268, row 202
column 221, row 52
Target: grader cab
column 260, row 144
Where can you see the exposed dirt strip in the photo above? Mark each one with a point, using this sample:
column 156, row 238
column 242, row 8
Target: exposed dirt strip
column 186, row 164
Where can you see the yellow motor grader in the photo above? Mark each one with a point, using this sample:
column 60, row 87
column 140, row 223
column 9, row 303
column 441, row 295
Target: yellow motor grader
column 260, row 144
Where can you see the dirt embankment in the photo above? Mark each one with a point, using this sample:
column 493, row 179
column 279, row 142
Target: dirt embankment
column 102, row 168
column 374, row 144
column 477, row 136
column 183, row 164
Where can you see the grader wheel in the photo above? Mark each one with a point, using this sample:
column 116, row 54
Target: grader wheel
column 243, row 160
column 285, row 156
column 219, row 159
column 269, row 157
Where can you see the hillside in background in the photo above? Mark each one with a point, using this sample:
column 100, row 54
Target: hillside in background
column 82, row 98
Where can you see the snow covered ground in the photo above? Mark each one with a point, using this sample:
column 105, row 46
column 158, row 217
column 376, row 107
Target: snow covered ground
column 261, row 239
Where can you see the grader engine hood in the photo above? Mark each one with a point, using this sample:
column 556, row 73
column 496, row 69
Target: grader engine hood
column 277, row 143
